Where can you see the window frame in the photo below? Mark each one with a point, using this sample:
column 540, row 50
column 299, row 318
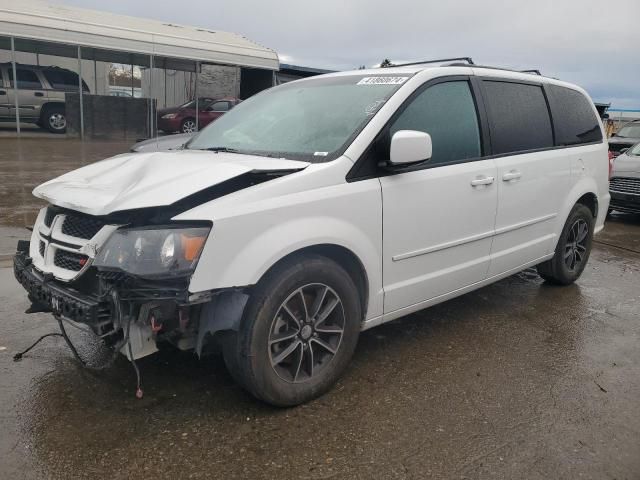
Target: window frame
column 383, row 134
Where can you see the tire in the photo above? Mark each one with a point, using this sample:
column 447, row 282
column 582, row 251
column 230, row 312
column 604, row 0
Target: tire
column 573, row 248
column 256, row 355
column 54, row 119
column 188, row 125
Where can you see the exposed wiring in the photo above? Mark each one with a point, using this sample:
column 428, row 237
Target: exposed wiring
column 18, row 356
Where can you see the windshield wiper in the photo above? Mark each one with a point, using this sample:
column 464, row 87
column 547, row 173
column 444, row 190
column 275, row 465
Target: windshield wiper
column 221, row 149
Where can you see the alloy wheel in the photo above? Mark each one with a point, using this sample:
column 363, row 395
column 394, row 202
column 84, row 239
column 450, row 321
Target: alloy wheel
column 189, row 126
column 57, row 121
column 575, row 249
column 306, row 332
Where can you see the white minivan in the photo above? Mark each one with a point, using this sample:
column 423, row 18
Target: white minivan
column 321, row 208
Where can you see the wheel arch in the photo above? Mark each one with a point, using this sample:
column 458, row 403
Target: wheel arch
column 47, row 105
column 344, row 257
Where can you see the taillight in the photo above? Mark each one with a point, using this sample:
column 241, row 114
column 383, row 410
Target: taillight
column 611, row 157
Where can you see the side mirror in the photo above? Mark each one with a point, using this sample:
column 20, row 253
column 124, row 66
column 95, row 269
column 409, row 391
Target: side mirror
column 410, row 146
column 623, row 150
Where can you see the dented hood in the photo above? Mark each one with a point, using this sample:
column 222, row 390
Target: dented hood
column 157, row 179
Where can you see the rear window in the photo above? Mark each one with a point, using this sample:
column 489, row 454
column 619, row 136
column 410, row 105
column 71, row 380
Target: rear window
column 573, row 116
column 518, row 116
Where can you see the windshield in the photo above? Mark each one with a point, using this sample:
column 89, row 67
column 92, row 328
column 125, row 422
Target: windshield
column 630, row 131
column 634, row 151
column 312, row 120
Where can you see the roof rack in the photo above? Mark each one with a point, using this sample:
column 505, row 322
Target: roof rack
column 469, row 61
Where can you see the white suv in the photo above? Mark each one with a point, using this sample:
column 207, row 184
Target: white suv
column 321, row 208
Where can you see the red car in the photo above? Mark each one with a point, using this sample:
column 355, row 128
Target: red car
column 183, row 118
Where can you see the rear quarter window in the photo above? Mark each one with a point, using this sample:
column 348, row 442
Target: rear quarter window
column 518, row 117
column 574, row 118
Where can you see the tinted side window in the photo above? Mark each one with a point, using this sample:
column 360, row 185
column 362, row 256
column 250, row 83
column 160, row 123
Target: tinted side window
column 219, row 106
column 518, row 116
column 61, row 79
column 26, row 79
column 573, row 117
column 447, row 112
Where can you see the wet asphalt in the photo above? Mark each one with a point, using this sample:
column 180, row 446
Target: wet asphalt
column 516, row 380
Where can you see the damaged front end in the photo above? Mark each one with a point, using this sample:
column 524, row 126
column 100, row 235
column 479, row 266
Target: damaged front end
column 130, row 286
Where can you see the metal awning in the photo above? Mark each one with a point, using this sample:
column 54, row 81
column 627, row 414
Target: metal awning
column 41, row 21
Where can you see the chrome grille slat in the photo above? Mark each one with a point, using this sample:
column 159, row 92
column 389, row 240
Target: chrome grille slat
column 625, row 185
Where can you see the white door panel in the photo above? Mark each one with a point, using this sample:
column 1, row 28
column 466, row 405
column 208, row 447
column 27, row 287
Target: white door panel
column 531, row 190
column 437, row 230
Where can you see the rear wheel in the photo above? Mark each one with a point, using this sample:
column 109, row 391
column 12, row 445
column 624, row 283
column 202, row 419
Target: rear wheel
column 573, row 248
column 54, row 119
column 298, row 332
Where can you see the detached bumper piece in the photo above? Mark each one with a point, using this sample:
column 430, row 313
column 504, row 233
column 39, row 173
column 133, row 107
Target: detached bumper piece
column 66, row 302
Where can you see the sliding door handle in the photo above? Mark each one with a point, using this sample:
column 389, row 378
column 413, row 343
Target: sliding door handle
column 512, row 175
column 482, row 180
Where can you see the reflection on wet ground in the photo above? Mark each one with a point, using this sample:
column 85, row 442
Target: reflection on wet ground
column 516, row 380
column 26, row 163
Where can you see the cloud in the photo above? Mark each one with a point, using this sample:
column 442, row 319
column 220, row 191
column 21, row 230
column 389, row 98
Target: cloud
column 588, row 42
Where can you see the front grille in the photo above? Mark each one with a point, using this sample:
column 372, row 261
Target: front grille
column 69, row 260
column 49, row 216
column 41, row 248
column 81, row 227
column 625, row 185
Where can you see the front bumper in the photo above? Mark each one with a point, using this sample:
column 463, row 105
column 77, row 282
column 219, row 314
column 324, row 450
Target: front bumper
column 625, row 202
column 61, row 300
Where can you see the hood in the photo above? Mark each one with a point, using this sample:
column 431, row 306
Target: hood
column 164, row 111
column 626, row 164
column 627, row 141
column 142, row 180
column 168, row 142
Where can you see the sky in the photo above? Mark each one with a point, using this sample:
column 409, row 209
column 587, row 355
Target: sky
column 593, row 43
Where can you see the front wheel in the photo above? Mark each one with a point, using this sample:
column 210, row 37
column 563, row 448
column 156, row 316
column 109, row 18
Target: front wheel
column 573, row 248
column 188, row 125
column 298, row 332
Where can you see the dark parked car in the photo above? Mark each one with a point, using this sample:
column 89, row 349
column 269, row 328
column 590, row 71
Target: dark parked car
column 183, row 118
column 626, row 137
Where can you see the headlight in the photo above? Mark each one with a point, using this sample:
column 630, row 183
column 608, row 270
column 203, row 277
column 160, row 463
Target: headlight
column 169, row 115
column 153, row 252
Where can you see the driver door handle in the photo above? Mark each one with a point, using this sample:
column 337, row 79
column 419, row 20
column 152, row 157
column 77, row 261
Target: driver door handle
column 482, row 180
column 512, row 175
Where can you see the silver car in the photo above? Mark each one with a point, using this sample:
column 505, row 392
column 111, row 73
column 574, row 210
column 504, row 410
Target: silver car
column 624, row 185
column 41, row 94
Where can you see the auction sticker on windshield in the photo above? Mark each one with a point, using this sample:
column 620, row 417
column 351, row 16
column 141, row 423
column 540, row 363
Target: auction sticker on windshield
column 382, row 81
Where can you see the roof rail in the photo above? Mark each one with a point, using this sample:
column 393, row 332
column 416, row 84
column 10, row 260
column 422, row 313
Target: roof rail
column 469, row 61
column 535, row 71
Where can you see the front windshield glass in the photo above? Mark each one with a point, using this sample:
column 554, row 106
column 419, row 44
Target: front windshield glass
column 312, row 120
column 630, row 131
column 635, row 150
